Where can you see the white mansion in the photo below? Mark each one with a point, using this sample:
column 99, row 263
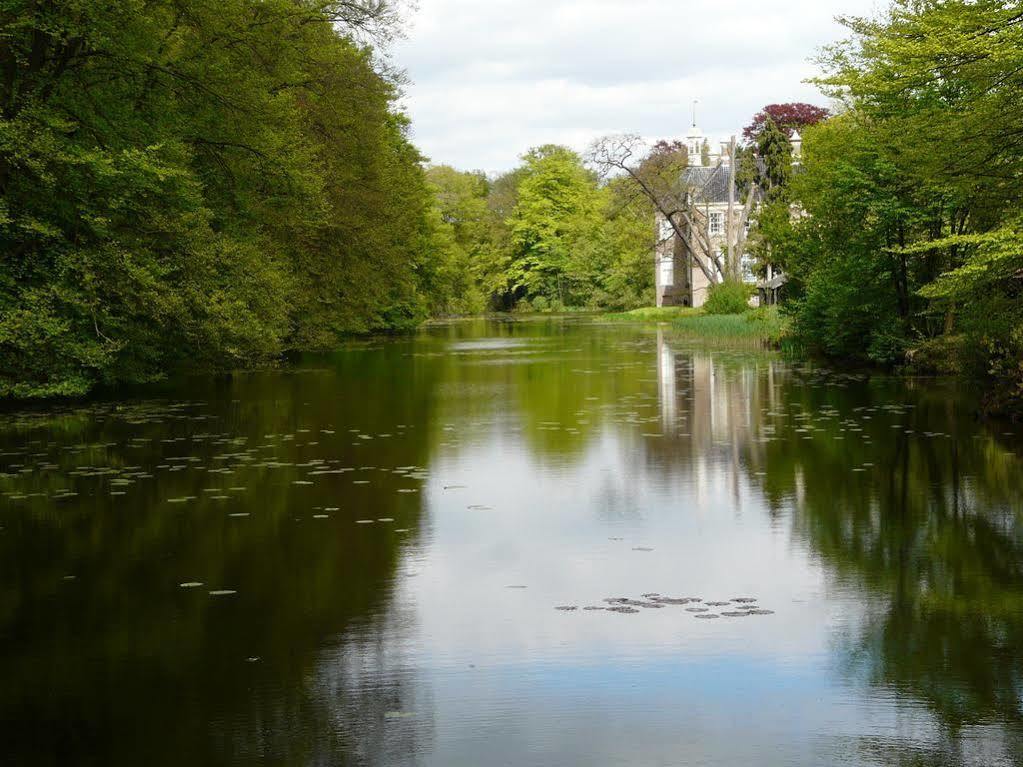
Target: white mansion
column 679, row 280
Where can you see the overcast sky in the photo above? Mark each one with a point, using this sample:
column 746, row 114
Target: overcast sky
column 491, row 78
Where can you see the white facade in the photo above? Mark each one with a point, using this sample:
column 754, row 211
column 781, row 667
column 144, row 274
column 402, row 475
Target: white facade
column 680, row 280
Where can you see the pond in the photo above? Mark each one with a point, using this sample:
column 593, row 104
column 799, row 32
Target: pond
column 533, row 542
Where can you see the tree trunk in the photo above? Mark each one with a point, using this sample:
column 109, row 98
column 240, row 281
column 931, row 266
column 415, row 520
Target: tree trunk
column 730, row 235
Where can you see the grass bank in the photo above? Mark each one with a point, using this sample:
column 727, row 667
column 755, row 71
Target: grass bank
column 764, row 325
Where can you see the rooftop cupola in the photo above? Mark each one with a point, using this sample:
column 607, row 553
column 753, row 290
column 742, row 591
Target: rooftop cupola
column 797, row 147
column 694, row 145
column 695, row 141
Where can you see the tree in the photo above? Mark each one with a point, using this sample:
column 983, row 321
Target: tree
column 908, row 254
column 189, row 182
column 461, row 206
column 659, row 177
column 558, row 211
column 851, row 293
column 787, row 117
column 627, row 280
column 775, row 152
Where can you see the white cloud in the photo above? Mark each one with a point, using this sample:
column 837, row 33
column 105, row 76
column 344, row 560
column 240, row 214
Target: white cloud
column 491, row 79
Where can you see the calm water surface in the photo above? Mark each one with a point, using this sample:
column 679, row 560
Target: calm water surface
column 359, row 561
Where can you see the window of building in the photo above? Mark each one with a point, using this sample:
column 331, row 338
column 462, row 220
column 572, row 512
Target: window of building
column 667, row 272
column 666, row 230
column 717, row 223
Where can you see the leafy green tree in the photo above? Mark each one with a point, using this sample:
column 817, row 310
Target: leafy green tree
column 558, row 212
column 982, row 301
column 852, row 294
column 627, row 279
column 911, row 195
column 775, row 152
column 461, row 205
column 202, row 183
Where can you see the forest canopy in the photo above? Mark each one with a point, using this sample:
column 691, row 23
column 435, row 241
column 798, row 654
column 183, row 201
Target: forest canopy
column 214, row 183
column 210, row 181
column 904, row 247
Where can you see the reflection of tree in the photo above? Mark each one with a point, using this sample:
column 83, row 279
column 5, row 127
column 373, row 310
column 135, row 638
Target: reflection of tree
column 123, row 666
column 925, row 516
column 121, row 662
column 561, row 387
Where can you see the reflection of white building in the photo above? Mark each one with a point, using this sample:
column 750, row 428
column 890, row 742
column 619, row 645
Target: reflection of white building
column 667, row 384
column 715, row 403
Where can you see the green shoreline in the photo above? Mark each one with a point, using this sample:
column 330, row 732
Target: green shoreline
column 765, row 325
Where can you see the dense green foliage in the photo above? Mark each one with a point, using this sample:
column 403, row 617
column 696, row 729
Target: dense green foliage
column 910, row 249
column 764, row 326
column 203, row 182
column 728, row 297
column 547, row 236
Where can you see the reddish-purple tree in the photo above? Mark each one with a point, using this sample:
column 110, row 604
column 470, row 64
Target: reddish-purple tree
column 788, row 117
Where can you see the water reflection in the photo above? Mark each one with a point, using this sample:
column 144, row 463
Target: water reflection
column 921, row 509
column 400, row 519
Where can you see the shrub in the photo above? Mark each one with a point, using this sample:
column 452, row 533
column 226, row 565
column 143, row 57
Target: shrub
column 728, row 298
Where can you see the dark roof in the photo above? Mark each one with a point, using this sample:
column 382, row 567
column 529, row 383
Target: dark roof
column 708, row 184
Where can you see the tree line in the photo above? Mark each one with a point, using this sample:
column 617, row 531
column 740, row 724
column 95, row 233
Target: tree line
column 215, row 183
column 902, row 234
column 548, row 235
column 202, row 182
column 565, row 230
